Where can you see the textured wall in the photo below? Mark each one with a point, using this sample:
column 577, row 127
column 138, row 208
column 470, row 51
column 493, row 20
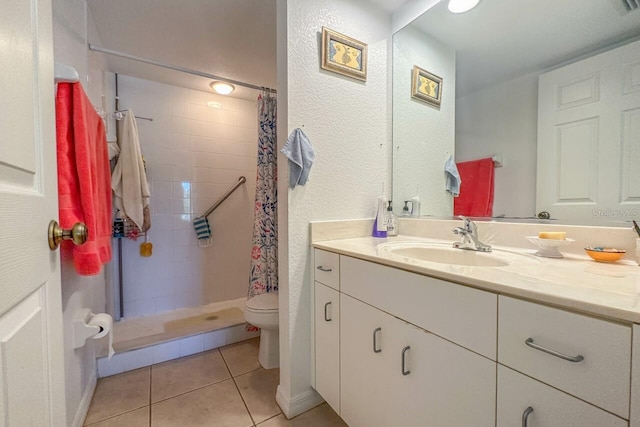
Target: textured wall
column 503, row 119
column 423, row 135
column 194, row 153
column 348, row 124
column 70, row 25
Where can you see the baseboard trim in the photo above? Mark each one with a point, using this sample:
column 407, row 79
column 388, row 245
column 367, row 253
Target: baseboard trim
column 85, row 402
column 298, row 404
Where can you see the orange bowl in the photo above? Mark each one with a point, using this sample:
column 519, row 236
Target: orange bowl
column 605, row 254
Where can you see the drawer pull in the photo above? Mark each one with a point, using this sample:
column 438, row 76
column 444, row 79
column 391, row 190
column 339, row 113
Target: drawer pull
column 326, row 316
column 375, row 342
column 404, row 350
column 326, row 270
column 531, row 344
column 525, row 416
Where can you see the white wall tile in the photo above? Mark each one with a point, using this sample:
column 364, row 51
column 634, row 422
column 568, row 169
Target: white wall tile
column 182, row 173
column 180, row 125
column 197, row 97
column 214, row 339
column 180, row 109
column 191, row 345
column 108, row 367
column 223, row 131
column 199, row 112
column 135, row 359
column 184, row 129
column 166, row 351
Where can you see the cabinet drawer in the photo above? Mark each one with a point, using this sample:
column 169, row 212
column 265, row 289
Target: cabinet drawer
column 327, row 268
column 550, row 407
column 458, row 313
column 602, row 377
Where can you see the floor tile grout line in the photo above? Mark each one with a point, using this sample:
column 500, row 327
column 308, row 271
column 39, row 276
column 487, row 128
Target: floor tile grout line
column 197, row 388
column 114, row 416
column 238, row 388
column 270, row 418
column 189, row 391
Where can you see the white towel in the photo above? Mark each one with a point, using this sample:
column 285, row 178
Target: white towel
column 129, row 179
column 452, row 175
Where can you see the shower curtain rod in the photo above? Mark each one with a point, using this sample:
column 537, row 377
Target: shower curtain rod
column 176, row 68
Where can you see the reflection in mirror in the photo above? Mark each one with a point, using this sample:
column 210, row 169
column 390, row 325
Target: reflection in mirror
column 553, row 87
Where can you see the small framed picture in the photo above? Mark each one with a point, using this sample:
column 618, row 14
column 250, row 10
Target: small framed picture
column 426, row 87
column 344, row 55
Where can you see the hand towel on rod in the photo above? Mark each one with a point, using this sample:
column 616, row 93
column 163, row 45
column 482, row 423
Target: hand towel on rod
column 129, row 179
column 84, row 190
column 476, row 189
column 300, row 153
column 452, row 176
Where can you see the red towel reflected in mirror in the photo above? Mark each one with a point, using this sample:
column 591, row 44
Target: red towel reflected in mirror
column 476, row 189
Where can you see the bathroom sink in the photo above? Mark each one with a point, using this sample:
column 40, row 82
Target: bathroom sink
column 444, row 253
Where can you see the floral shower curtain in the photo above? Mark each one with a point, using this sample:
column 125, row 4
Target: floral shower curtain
column 264, row 252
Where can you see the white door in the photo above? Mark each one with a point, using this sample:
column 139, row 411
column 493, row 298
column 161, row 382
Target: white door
column 589, row 138
column 31, row 354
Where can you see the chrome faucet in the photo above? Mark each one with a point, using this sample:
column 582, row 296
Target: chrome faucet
column 469, row 237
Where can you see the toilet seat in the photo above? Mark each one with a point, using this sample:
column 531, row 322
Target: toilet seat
column 263, row 303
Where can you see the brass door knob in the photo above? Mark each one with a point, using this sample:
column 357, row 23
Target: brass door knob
column 78, row 234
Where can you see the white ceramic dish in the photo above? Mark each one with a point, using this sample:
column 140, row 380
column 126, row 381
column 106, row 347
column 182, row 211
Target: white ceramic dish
column 548, row 248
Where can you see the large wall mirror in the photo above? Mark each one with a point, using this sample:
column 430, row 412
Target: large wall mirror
column 551, row 87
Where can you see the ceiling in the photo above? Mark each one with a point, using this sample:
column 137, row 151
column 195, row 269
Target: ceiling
column 502, row 39
column 235, row 39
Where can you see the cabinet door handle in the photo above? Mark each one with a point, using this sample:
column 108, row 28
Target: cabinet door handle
column 404, row 351
column 326, row 316
column 375, row 342
column 525, row 416
column 531, row 344
column 326, row 270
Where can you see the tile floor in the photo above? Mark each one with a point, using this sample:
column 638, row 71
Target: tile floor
column 221, row 387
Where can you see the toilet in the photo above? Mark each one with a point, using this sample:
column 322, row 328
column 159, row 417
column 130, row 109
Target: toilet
column 262, row 311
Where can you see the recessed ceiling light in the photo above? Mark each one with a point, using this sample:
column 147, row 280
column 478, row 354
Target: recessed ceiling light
column 461, row 6
column 222, row 88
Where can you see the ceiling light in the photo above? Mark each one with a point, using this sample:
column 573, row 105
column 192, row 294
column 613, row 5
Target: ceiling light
column 460, row 6
column 214, row 104
column 222, row 88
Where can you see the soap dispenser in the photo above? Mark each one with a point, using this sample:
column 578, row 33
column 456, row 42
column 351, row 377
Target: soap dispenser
column 415, row 203
column 380, row 223
column 392, row 221
column 405, row 210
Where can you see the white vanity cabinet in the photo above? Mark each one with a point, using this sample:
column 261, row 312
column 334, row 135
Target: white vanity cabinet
column 396, row 348
column 523, row 401
column 327, row 344
column 394, row 373
column 586, row 357
column 326, row 323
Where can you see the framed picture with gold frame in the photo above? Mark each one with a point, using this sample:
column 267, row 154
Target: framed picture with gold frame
column 426, row 86
column 344, row 55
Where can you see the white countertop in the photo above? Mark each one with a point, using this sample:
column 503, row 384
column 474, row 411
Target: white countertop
column 576, row 282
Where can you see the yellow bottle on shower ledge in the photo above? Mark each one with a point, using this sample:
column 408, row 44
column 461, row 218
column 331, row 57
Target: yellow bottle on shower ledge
column 146, row 248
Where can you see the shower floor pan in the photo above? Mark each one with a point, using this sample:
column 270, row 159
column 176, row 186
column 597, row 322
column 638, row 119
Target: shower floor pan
column 141, row 332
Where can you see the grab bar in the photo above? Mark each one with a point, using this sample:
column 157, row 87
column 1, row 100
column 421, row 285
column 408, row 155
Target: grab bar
column 209, row 211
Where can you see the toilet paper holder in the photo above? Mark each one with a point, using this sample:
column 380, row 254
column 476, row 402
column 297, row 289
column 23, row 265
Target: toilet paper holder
column 82, row 330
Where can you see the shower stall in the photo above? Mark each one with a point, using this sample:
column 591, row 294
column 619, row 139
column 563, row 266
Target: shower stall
column 187, row 297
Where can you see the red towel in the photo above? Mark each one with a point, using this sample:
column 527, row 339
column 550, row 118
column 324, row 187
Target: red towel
column 84, row 177
column 476, row 189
